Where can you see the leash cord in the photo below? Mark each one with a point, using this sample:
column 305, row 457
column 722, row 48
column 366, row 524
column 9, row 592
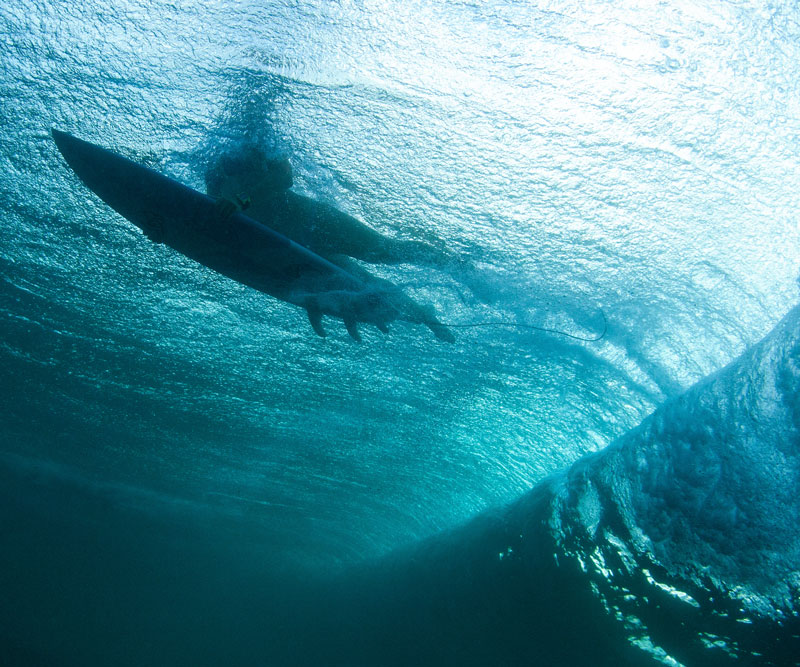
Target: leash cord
column 531, row 326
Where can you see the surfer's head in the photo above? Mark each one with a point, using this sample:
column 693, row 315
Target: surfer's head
column 248, row 169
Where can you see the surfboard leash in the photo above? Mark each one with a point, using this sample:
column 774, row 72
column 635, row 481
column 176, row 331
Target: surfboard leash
column 522, row 325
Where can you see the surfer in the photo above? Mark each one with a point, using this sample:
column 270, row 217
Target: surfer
column 260, row 186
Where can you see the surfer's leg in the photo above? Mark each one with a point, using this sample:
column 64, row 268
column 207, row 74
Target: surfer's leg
column 416, row 252
column 370, row 246
column 458, row 268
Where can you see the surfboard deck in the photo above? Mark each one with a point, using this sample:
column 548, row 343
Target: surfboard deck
column 234, row 245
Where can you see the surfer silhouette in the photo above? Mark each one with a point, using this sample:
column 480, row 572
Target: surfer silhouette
column 250, row 181
column 262, row 185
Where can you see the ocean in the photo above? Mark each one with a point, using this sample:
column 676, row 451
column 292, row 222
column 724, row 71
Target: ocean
column 602, row 469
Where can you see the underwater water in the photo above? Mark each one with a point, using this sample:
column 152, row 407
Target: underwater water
column 190, row 476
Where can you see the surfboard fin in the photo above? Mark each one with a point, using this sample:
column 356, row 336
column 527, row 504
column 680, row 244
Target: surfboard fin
column 441, row 332
column 382, row 327
column 352, row 329
column 315, row 318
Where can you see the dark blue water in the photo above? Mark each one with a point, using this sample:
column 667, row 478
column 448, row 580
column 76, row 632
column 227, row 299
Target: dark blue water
column 189, row 476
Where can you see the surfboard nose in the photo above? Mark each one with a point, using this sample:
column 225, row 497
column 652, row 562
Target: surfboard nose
column 73, row 149
column 63, row 140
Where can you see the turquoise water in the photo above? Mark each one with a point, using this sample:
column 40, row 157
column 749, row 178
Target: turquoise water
column 188, row 471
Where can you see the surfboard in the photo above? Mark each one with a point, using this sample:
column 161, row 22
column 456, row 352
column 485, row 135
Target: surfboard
column 234, row 245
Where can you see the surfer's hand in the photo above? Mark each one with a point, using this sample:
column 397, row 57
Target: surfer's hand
column 225, row 208
column 243, row 202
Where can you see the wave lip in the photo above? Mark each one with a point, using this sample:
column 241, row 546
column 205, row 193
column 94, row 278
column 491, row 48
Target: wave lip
column 692, row 516
column 679, row 539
